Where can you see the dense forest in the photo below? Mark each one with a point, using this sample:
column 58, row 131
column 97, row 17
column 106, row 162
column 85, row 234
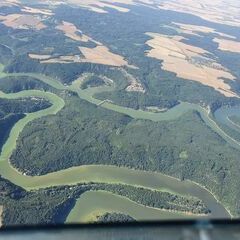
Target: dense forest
column 157, row 199
column 17, row 84
column 5, row 54
column 22, row 105
column 114, row 217
column 37, row 207
column 6, row 125
column 92, row 81
column 52, row 205
column 13, row 110
column 137, row 100
column 115, row 139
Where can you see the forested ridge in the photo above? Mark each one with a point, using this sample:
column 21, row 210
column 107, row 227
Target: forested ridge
column 13, row 84
column 111, row 138
column 114, row 217
column 52, row 205
column 13, row 110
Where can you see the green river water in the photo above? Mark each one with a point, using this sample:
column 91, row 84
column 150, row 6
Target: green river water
column 106, row 174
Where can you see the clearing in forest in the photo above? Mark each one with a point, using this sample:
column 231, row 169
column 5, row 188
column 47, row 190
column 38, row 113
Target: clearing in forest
column 228, row 45
column 22, row 21
column 71, row 31
column 196, row 29
column 218, row 11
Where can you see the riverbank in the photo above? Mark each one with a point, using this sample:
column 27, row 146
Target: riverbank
column 100, row 173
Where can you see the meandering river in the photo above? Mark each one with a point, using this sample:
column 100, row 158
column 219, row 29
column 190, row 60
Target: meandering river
column 101, row 173
column 222, row 115
column 95, row 203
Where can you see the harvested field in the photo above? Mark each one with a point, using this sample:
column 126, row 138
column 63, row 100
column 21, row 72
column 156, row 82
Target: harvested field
column 39, row 57
column 228, row 45
column 63, row 59
column 196, row 29
column 102, row 55
column 101, row 6
column 9, row 3
column 97, row 55
column 37, row 11
column 71, row 31
column 22, row 21
column 219, row 11
column 189, row 62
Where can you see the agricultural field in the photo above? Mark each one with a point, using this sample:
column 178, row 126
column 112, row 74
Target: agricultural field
column 189, row 62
